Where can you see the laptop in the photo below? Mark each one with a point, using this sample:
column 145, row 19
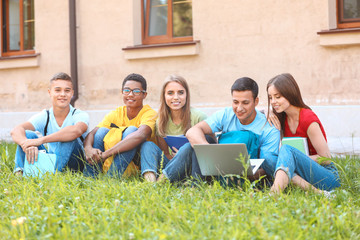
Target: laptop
column 224, row 159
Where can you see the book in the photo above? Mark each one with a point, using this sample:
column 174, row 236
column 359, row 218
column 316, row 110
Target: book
column 176, row 141
column 299, row 143
column 44, row 164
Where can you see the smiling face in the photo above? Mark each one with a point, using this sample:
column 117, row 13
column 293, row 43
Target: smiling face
column 175, row 96
column 131, row 100
column 278, row 102
column 61, row 92
column 243, row 104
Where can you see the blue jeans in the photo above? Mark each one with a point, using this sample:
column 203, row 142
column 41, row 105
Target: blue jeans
column 269, row 164
column 176, row 169
column 121, row 160
column 179, row 167
column 184, row 164
column 152, row 158
column 68, row 154
column 292, row 161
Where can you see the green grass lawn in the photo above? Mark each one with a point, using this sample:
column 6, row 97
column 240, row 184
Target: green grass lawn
column 71, row 206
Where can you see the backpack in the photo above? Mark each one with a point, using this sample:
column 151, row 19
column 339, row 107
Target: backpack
column 251, row 140
column 47, row 123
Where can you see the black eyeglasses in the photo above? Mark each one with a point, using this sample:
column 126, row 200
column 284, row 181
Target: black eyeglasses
column 136, row 91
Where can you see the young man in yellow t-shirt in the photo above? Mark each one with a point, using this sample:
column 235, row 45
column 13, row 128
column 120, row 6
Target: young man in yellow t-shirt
column 112, row 145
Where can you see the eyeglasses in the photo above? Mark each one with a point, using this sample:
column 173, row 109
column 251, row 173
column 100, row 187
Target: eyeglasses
column 136, row 91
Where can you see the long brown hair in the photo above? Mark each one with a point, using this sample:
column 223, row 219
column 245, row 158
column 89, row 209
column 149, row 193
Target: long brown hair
column 286, row 85
column 164, row 110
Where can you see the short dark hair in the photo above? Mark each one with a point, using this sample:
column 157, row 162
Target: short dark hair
column 245, row 84
column 61, row 76
column 135, row 77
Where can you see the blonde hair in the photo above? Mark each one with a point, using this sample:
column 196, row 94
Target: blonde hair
column 165, row 111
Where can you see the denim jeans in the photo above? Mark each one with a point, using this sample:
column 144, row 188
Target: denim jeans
column 184, row 164
column 179, row 167
column 152, row 158
column 269, row 164
column 68, row 154
column 292, row 161
column 121, row 161
column 176, row 169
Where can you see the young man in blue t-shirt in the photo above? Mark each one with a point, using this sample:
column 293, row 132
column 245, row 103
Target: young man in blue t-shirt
column 242, row 116
column 62, row 127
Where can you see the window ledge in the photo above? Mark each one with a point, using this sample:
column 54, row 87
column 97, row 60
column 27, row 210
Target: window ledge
column 162, row 50
column 20, row 61
column 339, row 37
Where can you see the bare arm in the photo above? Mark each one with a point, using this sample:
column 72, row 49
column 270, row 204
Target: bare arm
column 18, row 133
column 196, row 134
column 129, row 142
column 317, row 139
column 164, row 147
column 66, row 134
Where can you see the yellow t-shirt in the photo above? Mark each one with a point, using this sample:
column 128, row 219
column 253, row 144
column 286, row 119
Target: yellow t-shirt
column 146, row 116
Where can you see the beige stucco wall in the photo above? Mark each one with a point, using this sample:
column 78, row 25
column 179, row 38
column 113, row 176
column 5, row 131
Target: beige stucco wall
column 238, row 38
column 25, row 88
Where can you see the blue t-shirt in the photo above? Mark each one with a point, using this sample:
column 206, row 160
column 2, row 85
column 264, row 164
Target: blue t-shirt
column 226, row 121
column 39, row 122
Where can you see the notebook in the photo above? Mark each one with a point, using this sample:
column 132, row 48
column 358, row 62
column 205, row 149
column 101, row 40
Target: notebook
column 44, row 164
column 176, row 141
column 223, row 159
column 299, row 143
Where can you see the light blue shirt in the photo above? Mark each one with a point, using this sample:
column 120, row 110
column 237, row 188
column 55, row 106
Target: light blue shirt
column 226, row 121
column 39, row 122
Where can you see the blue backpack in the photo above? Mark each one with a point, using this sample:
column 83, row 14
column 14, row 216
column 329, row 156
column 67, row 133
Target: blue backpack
column 251, row 140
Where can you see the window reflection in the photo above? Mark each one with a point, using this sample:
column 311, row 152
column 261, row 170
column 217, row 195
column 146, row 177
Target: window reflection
column 14, row 25
column 182, row 18
column 29, row 25
column 351, row 9
column 158, row 17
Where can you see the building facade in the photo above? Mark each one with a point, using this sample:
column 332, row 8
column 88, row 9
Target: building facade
column 210, row 43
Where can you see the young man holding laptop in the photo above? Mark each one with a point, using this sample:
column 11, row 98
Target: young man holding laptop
column 241, row 122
